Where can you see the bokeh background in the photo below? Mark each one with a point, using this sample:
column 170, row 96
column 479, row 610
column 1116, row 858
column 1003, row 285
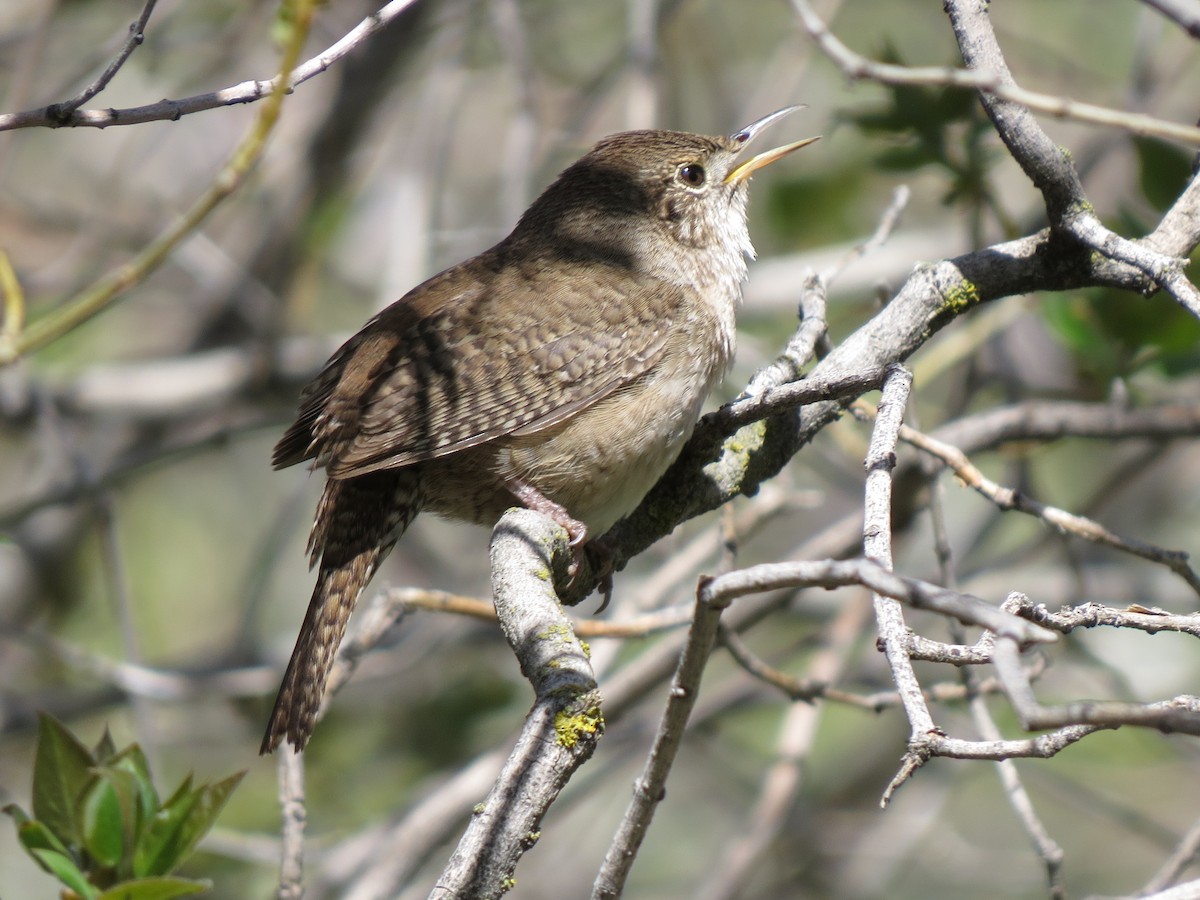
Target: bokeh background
column 142, row 524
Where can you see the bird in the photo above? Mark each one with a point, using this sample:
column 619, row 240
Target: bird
column 561, row 370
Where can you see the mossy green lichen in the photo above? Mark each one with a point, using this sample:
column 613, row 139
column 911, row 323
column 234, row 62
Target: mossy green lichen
column 1082, row 208
column 961, row 297
column 570, row 729
column 559, row 632
column 736, row 453
column 748, row 437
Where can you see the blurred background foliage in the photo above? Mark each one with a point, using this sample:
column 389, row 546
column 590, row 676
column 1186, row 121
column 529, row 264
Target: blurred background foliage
column 142, row 522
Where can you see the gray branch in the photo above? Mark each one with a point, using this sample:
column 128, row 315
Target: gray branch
column 64, row 115
column 562, row 728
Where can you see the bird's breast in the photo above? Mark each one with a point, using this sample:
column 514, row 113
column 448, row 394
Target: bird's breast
column 601, row 463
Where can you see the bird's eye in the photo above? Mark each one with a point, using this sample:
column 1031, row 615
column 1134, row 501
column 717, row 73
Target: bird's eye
column 692, row 174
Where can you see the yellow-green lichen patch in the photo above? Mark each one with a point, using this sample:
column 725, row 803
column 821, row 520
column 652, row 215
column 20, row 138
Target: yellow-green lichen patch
column 1082, row 208
column 559, row 632
column 736, row 453
column 571, row 729
column 961, row 297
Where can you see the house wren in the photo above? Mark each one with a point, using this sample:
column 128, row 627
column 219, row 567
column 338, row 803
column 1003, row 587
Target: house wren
column 561, row 370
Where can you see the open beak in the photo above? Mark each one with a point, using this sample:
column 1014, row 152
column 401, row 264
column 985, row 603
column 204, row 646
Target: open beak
column 744, row 136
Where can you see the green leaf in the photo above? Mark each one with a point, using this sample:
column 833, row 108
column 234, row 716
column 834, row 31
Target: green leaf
column 62, row 867
column 109, row 815
column 184, row 789
column 35, row 836
column 155, row 889
column 178, row 826
column 61, row 771
column 100, row 816
column 105, row 748
column 133, row 760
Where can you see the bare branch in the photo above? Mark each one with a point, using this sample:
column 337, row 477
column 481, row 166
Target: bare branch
column 1014, row 788
column 1051, row 170
column 1049, row 420
column 883, row 232
column 650, row 786
column 1185, row 853
column 289, row 766
column 1094, row 615
column 144, row 681
column 105, row 291
column 379, row 861
column 137, row 28
column 1080, row 526
column 988, row 81
column 877, row 545
column 1018, row 797
column 562, row 728
column 911, row 591
column 1182, row 714
column 174, row 110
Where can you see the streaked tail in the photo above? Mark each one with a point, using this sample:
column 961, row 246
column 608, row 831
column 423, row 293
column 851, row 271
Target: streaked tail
column 358, row 522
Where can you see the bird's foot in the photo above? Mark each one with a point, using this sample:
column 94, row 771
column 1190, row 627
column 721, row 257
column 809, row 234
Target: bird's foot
column 577, row 532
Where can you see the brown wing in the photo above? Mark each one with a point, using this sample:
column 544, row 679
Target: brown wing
column 443, row 369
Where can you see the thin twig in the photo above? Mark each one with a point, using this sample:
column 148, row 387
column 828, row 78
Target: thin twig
column 648, row 789
column 1184, row 854
column 137, row 31
column 109, row 287
column 1010, row 778
column 380, row 861
column 12, row 303
column 855, row 66
column 1180, row 714
column 1092, row 615
column 883, row 231
column 877, row 546
column 782, row 781
column 913, row 592
column 1051, row 420
column 245, row 92
column 1011, row 499
column 160, row 685
column 1050, row 852
column 1051, row 170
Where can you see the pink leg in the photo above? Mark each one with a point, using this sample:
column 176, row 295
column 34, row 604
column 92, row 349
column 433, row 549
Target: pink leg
column 602, row 563
column 532, row 498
